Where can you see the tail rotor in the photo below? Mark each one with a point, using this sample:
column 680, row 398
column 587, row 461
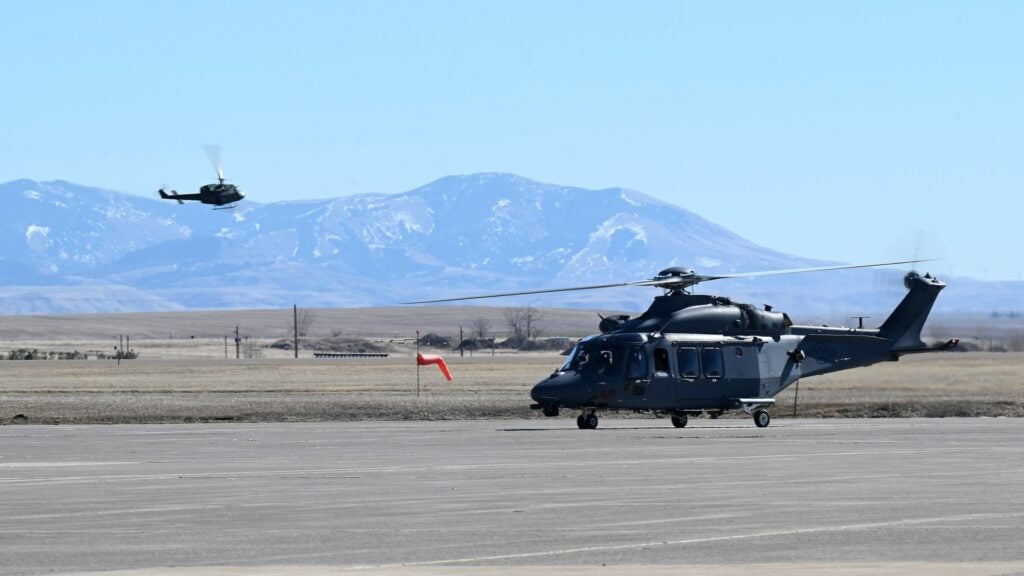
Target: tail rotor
column 891, row 284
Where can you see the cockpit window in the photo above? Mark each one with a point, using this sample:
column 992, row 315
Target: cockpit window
column 577, row 356
column 607, row 361
column 637, row 364
column 572, row 360
column 661, row 361
column 604, row 358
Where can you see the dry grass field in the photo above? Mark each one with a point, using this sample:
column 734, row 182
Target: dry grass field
column 392, row 323
column 189, row 381
column 187, row 389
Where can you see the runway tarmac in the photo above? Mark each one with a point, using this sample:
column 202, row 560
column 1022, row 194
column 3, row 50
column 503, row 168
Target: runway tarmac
column 635, row 496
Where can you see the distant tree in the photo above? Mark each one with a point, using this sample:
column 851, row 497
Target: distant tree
column 1016, row 342
column 523, row 324
column 306, row 319
column 250, row 349
column 481, row 328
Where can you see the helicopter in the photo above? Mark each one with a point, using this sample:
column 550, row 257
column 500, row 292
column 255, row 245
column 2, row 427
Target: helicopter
column 690, row 354
column 222, row 196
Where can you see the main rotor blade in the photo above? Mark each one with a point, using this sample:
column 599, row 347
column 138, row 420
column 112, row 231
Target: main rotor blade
column 672, row 282
column 703, row 278
column 546, row 291
column 213, row 153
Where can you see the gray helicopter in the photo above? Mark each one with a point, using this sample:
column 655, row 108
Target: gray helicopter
column 691, row 354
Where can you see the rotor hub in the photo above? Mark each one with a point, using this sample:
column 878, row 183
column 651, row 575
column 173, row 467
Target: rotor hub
column 675, row 272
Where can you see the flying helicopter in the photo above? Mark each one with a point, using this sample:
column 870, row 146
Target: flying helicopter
column 222, row 196
column 691, row 354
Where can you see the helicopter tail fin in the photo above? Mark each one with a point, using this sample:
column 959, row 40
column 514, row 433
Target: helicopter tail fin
column 173, row 195
column 903, row 326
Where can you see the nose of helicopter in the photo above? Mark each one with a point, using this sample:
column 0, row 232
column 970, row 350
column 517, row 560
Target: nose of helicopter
column 564, row 389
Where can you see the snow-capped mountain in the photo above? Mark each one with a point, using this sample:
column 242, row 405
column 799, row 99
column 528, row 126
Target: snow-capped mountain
column 74, row 248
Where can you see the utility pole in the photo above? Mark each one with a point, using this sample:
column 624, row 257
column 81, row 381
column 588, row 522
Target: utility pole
column 225, row 346
column 238, row 344
column 462, row 349
column 295, row 320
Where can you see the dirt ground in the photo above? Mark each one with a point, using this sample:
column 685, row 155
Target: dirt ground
column 180, row 380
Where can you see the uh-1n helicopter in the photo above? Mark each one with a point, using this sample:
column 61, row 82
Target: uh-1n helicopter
column 692, row 354
column 222, row 196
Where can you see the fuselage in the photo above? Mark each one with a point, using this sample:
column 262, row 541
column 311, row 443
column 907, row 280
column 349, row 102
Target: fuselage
column 671, row 372
column 220, row 194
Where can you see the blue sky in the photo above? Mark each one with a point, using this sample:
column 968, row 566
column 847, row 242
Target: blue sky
column 836, row 130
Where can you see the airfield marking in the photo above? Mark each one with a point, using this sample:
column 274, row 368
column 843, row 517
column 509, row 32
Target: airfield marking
column 441, row 467
column 449, row 467
column 665, row 543
column 60, row 464
column 119, row 511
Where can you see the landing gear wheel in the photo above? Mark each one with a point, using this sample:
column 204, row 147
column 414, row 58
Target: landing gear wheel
column 679, row 420
column 714, row 415
column 762, row 418
column 550, row 411
column 581, row 422
column 589, row 421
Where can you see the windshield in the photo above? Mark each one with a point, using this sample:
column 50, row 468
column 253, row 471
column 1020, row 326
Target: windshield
column 573, row 361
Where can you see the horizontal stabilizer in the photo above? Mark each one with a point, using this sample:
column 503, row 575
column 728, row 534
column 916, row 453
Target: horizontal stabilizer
column 948, row 345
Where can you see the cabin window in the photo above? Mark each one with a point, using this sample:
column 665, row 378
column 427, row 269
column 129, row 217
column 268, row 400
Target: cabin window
column 714, row 364
column 637, row 369
column 661, row 361
column 689, row 362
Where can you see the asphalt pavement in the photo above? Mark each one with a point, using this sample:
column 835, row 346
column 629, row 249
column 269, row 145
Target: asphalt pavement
column 899, row 496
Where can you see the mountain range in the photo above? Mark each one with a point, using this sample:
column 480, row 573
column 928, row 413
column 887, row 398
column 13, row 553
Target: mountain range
column 73, row 248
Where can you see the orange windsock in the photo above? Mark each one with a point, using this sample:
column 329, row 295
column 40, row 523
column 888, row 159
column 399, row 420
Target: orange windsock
column 424, row 359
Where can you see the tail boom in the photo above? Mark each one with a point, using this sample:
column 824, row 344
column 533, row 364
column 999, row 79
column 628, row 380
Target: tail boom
column 821, row 352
